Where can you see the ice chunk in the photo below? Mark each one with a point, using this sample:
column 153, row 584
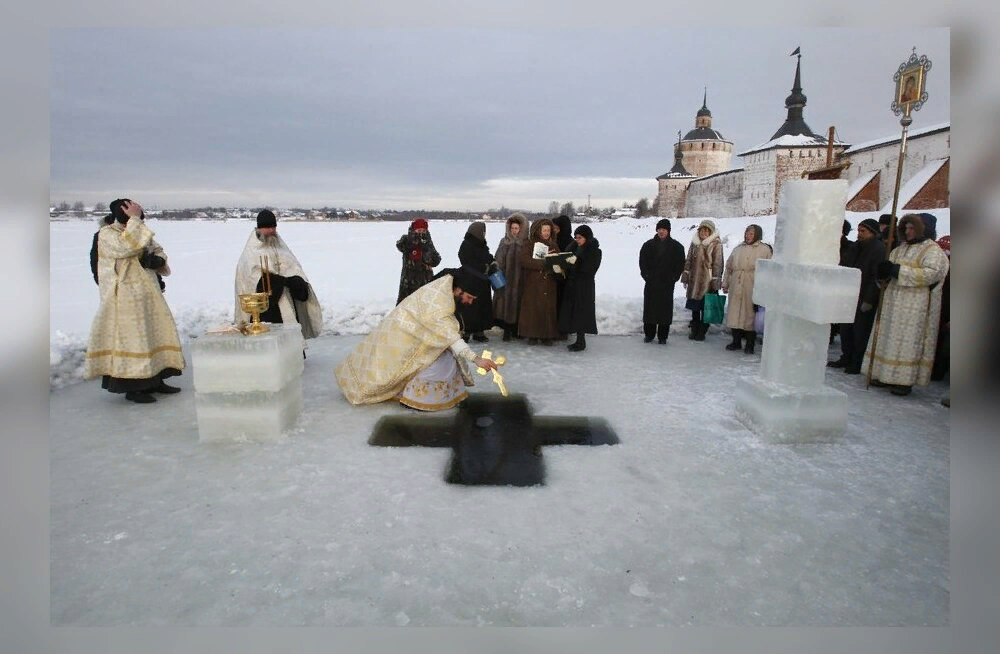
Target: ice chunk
column 253, row 415
column 810, row 221
column 232, row 363
column 795, row 351
column 788, row 414
column 817, row 293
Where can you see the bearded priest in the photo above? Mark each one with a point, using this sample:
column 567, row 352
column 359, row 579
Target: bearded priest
column 292, row 298
column 133, row 341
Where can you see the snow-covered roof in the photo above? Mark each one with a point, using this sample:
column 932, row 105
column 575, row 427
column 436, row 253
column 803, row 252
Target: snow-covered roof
column 791, row 141
column 924, row 131
column 915, row 183
column 860, row 183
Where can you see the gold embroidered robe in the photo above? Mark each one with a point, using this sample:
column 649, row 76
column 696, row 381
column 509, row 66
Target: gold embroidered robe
column 133, row 335
column 410, row 338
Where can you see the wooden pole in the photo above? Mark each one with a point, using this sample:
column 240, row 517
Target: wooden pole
column 829, row 148
column 905, row 122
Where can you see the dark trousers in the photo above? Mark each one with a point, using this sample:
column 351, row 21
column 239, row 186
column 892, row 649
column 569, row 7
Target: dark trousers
column 854, row 337
column 653, row 329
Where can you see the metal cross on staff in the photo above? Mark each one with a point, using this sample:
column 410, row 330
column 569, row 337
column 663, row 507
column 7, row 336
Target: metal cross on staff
column 497, row 379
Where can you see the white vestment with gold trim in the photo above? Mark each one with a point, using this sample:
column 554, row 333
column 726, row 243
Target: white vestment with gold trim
column 133, row 335
column 911, row 311
column 417, row 333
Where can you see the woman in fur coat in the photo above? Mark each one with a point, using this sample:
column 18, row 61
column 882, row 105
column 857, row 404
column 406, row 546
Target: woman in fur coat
column 419, row 258
column 537, row 318
column 507, row 300
column 741, row 269
column 702, row 274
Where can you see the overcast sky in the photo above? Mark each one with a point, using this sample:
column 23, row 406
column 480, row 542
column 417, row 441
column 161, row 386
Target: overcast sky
column 443, row 118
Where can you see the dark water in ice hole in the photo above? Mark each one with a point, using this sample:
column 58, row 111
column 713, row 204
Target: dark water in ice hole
column 495, row 440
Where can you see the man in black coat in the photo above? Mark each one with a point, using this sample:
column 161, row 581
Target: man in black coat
column 578, row 312
column 869, row 253
column 661, row 264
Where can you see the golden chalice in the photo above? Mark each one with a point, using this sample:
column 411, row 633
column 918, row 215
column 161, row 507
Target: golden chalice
column 255, row 304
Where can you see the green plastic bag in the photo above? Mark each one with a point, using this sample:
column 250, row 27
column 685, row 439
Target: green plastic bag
column 715, row 309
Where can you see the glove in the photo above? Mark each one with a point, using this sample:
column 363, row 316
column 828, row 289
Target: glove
column 888, row 269
column 298, row 287
column 151, row 261
column 866, row 307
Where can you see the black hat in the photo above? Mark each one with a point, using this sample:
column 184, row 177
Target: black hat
column 663, row 223
column 266, row 219
column 884, row 219
column 870, row 224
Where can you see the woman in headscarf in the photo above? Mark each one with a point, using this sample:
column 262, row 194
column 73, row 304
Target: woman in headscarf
column 476, row 260
column 507, row 300
column 741, row 269
column 563, row 237
column 702, row 274
column 578, row 314
column 419, row 258
column 537, row 319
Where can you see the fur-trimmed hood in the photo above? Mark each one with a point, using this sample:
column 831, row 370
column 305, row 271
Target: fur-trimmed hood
column 695, row 240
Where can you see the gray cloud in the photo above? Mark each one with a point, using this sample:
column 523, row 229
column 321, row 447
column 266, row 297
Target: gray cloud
column 433, row 117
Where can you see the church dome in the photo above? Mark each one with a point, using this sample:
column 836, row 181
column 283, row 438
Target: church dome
column 703, row 134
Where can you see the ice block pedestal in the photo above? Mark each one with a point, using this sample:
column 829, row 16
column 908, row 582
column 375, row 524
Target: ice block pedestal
column 804, row 291
column 247, row 387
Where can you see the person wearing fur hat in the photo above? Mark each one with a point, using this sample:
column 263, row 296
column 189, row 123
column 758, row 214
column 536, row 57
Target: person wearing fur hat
column 292, row 300
column 416, row 355
column 579, row 313
column 419, row 258
column 507, row 300
column 537, row 318
column 474, row 255
column 133, row 344
column 703, row 270
column 661, row 264
column 868, row 254
column 741, row 270
column 901, row 353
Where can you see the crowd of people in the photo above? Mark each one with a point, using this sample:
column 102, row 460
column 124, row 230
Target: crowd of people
column 539, row 286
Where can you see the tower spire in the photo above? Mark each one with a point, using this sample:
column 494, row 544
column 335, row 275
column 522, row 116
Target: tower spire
column 795, row 124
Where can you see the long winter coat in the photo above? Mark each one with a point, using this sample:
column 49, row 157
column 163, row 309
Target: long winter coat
column 909, row 322
column 507, row 300
column 868, row 255
column 579, row 314
column 419, row 258
column 704, row 266
column 537, row 318
column 661, row 263
column 475, row 257
column 741, row 269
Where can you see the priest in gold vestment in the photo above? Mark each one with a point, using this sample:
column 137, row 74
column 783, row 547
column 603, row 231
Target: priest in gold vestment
column 416, row 355
column 133, row 341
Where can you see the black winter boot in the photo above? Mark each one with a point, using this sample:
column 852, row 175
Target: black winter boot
column 737, row 338
column 700, row 330
column 751, row 341
column 139, row 397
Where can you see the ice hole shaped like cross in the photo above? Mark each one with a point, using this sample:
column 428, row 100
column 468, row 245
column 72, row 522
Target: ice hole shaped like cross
column 496, row 440
column 804, row 291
